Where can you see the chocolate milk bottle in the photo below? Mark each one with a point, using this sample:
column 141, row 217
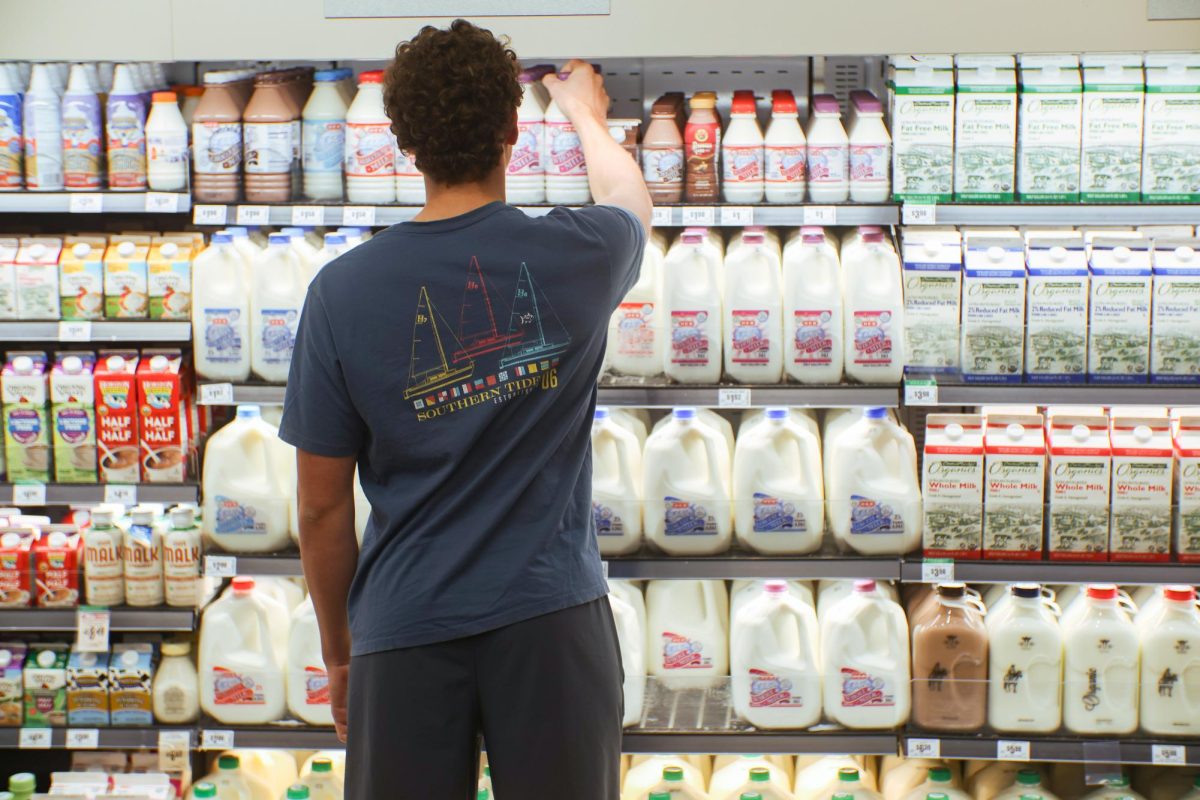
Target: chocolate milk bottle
column 662, row 153
column 268, row 124
column 217, row 138
column 702, row 146
column 950, row 656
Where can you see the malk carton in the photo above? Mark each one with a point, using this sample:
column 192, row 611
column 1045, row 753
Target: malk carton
column 1080, row 484
column 985, row 140
column 1187, row 488
column 1114, row 91
column 993, row 311
column 1050, row 129
column 1171, row 136
column 1119, row 341
column 932, row 299
column 1175, row 334
column 1014, row 487
column 922, row 114
column 1056, row 332
column 1143, row 462
column 953, row 486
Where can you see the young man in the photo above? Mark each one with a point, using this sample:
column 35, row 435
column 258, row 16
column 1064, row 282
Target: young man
column 453, row 360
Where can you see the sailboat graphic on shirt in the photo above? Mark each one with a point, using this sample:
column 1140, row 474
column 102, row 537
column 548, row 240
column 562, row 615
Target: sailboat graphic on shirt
column 541, row 333
column 429, row 368
column 477, row 332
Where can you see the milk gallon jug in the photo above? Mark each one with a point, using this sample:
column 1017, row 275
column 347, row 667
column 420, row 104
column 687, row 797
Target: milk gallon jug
column 616, row 486
column 753, row 312
column 692, row 310
column 774, row 661
column 817, row 776
column 566, row 171
column 1029, row 782
column 686, row 487
column 307, row 681
column 631, row 636
column 221, row 312
column 321, row 780
column 636, row 333
column 873, row 311
column 280, row 285
column 1025, row 652
column 874, row 495
column 247, row 490
column 241, row 677
column 752, row 775
column 778, row 499
column 742, row 152
column 646, row 773
column 687, row 634
column 950, row 662
column 1114, row 789
column 1170, row 684
column 850, row 786
column 812, row 309
column 938, row 780
column 1100, row 683
column 898, row 776
column 864, row 658
column 370, row 158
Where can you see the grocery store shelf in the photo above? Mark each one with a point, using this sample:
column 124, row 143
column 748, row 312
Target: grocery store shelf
column 26, row 495
column 1061, row 572
column 1092, row 393
column 625, row 392
column 228, row 566
column 223, row 394
column 753, row 742
column 56, row 620
column 85, row 331
column 734, row 567
column 1080, row 214
column 1107, row 750
column 94, row 202
column 109, row 738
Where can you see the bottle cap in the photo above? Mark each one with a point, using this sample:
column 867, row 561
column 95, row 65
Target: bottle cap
column 1179, row 593
column 826, row 104
column 229, row 761
column 939, row 774
column 660, row 796
column 204, row 789
column 297, row 791
column 222, row 238
column 691, row 238
column 164, row 97
column 279, row 239
column 774, row 587
column 243, row 584
column 684, row 413
column 1026, row 590
column 865, row 102
column 335, row 239
column 951, row 590
column 326, row 765
column 703, row 100
column 743, row 103
column 672, row 774
column 864, row 586
column 126, row 249
column 1029, row 777
column 812, row 234
column 370, row 76
column 875, row 412
column 602, row 412
column 848, row 774
column 760, row 774
column 72, row 365
column 325, row 75
column 783, row 102
column 777, row 413
column 751, row 795
column 753, row 238
column 249, row 411
column 176, row 649
column 483, row 794
column 1102, row 591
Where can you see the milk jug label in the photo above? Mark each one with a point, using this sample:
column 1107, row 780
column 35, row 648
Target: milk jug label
column 268, row 147
column 873, row 338
column 279, row 334
column 565, row 150
column 814, row 340
column 167, row 147
column 773, row 515
column 826, row 164
column 217, row 147
column 870, row 162
column 635, row 330
column 234, row 517
column 743, row 164
column 680, row 652
column 222, row 342
column 863, row 690
column 786, row 163
column 689, row 338
column 687, row 519
column 768, row 690
column 751, row 344
column 10, row 141
column 662, row 165
column 527, row 152
column 868, row 515
column 316, row 687
column 324, row 145
column 608, row 522
column 231, row 688
column 370, row 150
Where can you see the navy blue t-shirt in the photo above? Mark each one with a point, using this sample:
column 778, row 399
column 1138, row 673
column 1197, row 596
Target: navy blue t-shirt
column 457, row 361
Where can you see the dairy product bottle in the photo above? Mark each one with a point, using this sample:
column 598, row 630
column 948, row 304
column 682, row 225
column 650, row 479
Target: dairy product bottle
column 813, row 351
column 742, row 152
column 279, row 289
column 1142, row 468
column 873, row 311
column 307, row 681
column 754, row 776
column 753, row 340
column 221, row 311
column 692, row 307
column 1080, row 487
column 933, row 277
column 43, row 142
column 1174, row 340
column 993, row 309
column 687, row 633
column 921, row 91
column 525, row 176
column 645, row 773
column 321, row 780
column 1170, row 664
column 1015, row 486
column 864, row 657
column 686, row 487
column 778, row 498
column 142, row 555
column 870, row 151
column 166, row 145
column 268, row 125
column 850, row 786
column 82, row 132
column 103, row 569
column 232, row 780
column 125, row 127
column 1029, row 782
column 774, row 661
column 817, row 776
column 616, row 486
column 305, row 243
column 635, row 332
column 324, row 137
column 631, row 636
column 1122, row 282
column 241, row 675
column 702, row 149
column 566, row 170
column 335, row 245
column 828, row 152
column 950, row 663
column 1171, row 127
column 181, row 559
column 1056, row 334
column 1114, row 789
column 217, row 137
column 786, row 152
column 1100, row 675
column 939, row 782
column 985, row 137
column 12, row 131
column 175, row 695
column 1111, row 166
column 662, row 153
column 410, row 183
column 674, row 785
column 898, row 775
column 370, row 145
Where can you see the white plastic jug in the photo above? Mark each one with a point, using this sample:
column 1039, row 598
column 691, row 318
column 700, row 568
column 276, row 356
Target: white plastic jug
column 631, row 593
column 1025, row 652
column 753, row 319
column 221, row 312
column 692, row 312
column 865, row 664
column 370, row 146
column 280, row 285
column 234, row 783
column 1029, row 782
column 817, row 776
column 850, row 785
column 712, row 419
column 830, row 592
column 778, row 499
column 616, row 486
column 633, row 420
column 746, row 591
column 687, row 634
column 1100, row 683
column 774, row 660
column 307, row 681
column 812, row 309
column 525, row 175
column 1170, row 644
column 276, row 769
column 322, row 779
column 637, row 332
column 566, row 169
column 647, row 774
column 898, row 776
column 938, row 780
column 1114, row 789
column 631, row 634
column 686, row 480
column 749, row 774
column 241, row 677
column 873, row 310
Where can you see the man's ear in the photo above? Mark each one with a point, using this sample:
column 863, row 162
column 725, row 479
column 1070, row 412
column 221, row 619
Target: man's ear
column 512, row 131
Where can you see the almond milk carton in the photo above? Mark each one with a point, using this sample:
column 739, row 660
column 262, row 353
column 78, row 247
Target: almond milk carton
column 993, row 311
column 12, row 661
column 1080, row 487
column 126, row 280
column 170, row 279
column 1187, row 487
column 163, row 417
column 116, row 416
column 1143, row 479
column 1056, row 331
column 73, row 417
column 130, row 673
column 1175, row 334
column 8, row 278
column 932, row 299
column 952, row 486
column 1015, row 487
column 37, row 278
column 985, row 140
column 1171, row 139
column 1119, row 341
column 26, row 428
column 87, row 689
column 1050, row 129
column 1114, row 93
column 81, row 278
column 922, row 115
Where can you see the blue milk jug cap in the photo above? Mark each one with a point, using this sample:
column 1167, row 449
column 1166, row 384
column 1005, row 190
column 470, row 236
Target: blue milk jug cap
column 875, row 412
column 323, row 75
column 222, row 238
column 684, row 413
column 777, row 413
column 602, row 413
column 249, row 411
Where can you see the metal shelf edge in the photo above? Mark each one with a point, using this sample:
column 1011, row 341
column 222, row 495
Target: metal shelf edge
column 762, row 742
column 121, row 619
column 737, row 568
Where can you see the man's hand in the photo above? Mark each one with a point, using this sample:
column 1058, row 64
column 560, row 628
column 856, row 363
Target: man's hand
column 339, row 689
column 582, row 93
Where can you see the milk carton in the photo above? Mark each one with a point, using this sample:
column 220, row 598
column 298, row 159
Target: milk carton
column 985, row 140
column 116, row 416
column 36, row 275
column 1114, row 91
column 56, row 562
column 1119, row 341
column 993, row 314
column 952, row 485
column 87, row 689
column 1143, row 460
column 12, row 660
column 81, row 278
column 1056, row 331
column 126, row 280
column 26, row 432
column 73, row 419
column 46, row 686
column 1175, row 334
column 1080, row 484
column 169, row 280
column 932, row 299
column 1015, row 488
column 922, row 114
column 129, row 677
column 1051, row 129
column 1171, row 137
column 8, row 278
column 1187, row 488
column 162, row 412
column 16, row 567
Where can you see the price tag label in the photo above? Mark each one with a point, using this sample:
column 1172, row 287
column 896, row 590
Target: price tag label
column 86, row 203
column 34, row 739
column 174, row 750
column 699, row 215
column 216, row 740
column 29, row 494
column 209, row 215
column 937, row 570
column 308, row 215
column 91, row 630
column 733, row 398
column 358, row 215
column 162, row 202
column 83, row 738
column 120, row 494
column 1012, row 751
column 820, row 215
column 220, row 566
column 737, row 215
column 1168, row 754
column 604, row 567
column 918, row 214
column 253, row 215
column 920, row 393
column 75, row 330
column 660, row 217
column 924, row 748
column 216, row 394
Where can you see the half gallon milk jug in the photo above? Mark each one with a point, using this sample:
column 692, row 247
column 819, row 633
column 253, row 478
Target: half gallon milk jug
column 1025, row 652
column 950, row 662
column 246, row 486
column 778, row 501
column 774, row 661
column 1170, row 642
column 1114, row 789
column 692, row 310
column 898, row 775
column 817, row 776
column 874, row 311
column 1100, row 684
column 241, row 678
column 616, row 486
column 851, row 786
column 221, row 312
column 938, row 780
column 874, row 490
column 646, row 773
column 335, row 245
column 322, row 780
column 631, row 636
column 280, row 285
column 812, row 309
column 525, row 176
column 686, row 487
column 687, row 635
column 307, row 680
column 864, row 657
column 1029, row 782
column 636, row 330
column 566, row 170
column 753, row 312
column 749, row 775
column 370, row 146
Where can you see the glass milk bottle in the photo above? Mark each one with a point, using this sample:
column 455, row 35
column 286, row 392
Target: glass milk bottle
column 176, row 698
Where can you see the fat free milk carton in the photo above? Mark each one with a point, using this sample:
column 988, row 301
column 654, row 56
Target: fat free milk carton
column 1050, row 130
column 37, row 278
column 922, row 114
column 1175, row 334
column 1187, row 488
column 1015, row 486
column 8, row 278
column 1119, row 340
column 73, row 417
column 1171, row 135
column 81, row 278
column 932, row 299
column 985, row 139
column 1113, row 112
column 1080, row 487
column 26, row 428
column 1056, row 332
column 1143, row 479
column 953, row 486
column 993, row 309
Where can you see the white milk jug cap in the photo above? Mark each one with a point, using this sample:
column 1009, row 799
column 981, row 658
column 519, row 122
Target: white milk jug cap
column 72, row 365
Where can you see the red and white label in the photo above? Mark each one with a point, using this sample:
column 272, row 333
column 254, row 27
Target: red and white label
column 689, row 338
column 751, row 344
column 786, row 163
column 680, row 652
column 635, row 330
column 813, row 337
column 768, row 690
column 234, row 689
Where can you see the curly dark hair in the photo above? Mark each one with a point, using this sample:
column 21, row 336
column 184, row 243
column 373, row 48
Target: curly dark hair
column 451, row 95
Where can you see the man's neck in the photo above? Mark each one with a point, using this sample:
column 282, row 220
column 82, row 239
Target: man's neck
column 444, row 202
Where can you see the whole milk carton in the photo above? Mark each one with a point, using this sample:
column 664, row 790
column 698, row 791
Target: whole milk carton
column 1143, row 479
column 922, row 114
column 1187, row 488
column 1171, row 131
column 932, row 299
column 1050, row 130
column 36, row 273
column 1119, row 314
column 8, row 278
column 1113, row 100
column 116, row 416
column 1015, row 488
column 953, row 486
column 1056, row 305
column 81, row 277
column 993, row 311
column 162, row 416
column 1080, row 487
column 1175, row 311
column 985, row 139
column 73, row 418
column 26, row 429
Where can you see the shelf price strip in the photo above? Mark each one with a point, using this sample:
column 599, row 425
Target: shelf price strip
column 1007, row 750
column 924, row 748
column 83, row 738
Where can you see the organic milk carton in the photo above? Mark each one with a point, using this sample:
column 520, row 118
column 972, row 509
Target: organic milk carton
column 1051, row 129
column 953, row 486
column 46, row 686
column 8, row 278
column 922, row 114
column 116, row 416
column 131, row 698
column 73, row 418
column 126, row 279
column 1015, row 488
column 932, row 297
column 1175, row 334
column 1114, row 91
column 1171, row 135
column 26, row 433
column 1187, row 488
column 81, row 277
column 1143, row 463
column 993, row 314
column 170, row 279
column 985, row 119
column 1080, row 482
column 1056, row 331
column 162, row 412
column 36, row 275
column 1119, row 341
column 87, row 689
column 12, row 661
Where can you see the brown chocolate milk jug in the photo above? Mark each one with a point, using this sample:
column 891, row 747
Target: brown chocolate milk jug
column 950, row 659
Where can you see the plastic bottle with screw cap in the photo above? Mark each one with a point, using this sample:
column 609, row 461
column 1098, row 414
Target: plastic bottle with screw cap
column 324, row 137
column 203, row 790
column 828, row 152
column 370, row 145
column 786, row 154
column 566, row 169
column 83, row 133
column 753, row 325
column 1100, row 667
column 692, row 304
column 221, row 311
column 742, row 152
column 166, row 145
column 181, row 558
column 870, row 151
column 1025, row 653
column 103, row 569
column 525, row 175
column 22, row 785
